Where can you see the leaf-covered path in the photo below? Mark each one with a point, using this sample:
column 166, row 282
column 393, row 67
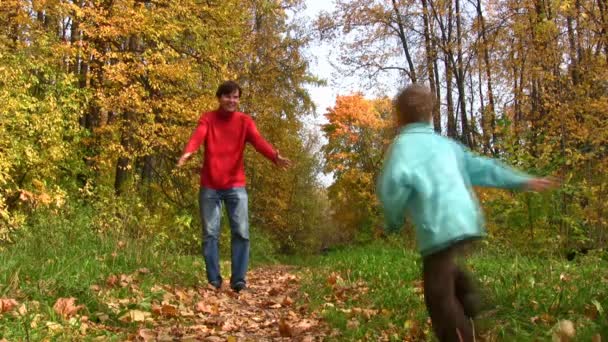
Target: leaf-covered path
column 265, row 311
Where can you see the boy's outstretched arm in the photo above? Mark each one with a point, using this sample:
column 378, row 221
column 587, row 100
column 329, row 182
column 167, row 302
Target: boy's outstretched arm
column 393, row 192
column 488, row 172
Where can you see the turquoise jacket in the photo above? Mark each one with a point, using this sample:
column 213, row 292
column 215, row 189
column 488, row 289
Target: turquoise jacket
column 431, row 178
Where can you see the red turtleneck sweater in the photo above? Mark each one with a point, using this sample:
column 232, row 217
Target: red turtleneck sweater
column 224, row 135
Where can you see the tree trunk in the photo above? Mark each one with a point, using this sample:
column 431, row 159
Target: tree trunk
column 460, row 80
column 489, row 114
column 430, row 64
column 403, row 38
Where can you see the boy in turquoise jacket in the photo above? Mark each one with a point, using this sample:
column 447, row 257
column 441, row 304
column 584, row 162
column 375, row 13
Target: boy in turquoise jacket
column 431, row 178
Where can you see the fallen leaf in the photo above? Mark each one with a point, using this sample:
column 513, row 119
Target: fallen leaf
column 95, row 288
column 135, row 316
column 332, row 279
column 54, row 327
column 125, row 280
column 7, row 305
column 102, row 317
column 147, row 334
column 274, row 291
column 305, row 325
column 212, row 309
column 285, row 329
column 596, row 338
column 353, row 324
column 22, row 310
column 287, row 301
column 112, row 280
column 35, row 321
column 157, row 309
column 66, row 307
column 168, row 310
column 143, row 270
column 563, row 331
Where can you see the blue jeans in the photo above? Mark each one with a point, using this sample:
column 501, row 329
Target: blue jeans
column 210, row 204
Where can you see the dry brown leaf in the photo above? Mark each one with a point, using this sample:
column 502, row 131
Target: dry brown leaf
column 66, row 307
column 147, row 335
column 143, row 271
column 284, row 328
column 591, row 312
column 596, row 338
column 135, row 316
column 353, row 324
column 54, row 327
column 332, row 279
column 102, row 316
column 169, row 310
column 95, row 288
column 7, row 304
column 211, row 309
column 22, row 310
column 125, row 280
column 112, row 280
column 287, row 301
column 305, row 325
column 274, row 291
column 563, row 331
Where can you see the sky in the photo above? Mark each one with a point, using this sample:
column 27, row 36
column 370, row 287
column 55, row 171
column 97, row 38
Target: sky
column 318, row 54
column 323, row 96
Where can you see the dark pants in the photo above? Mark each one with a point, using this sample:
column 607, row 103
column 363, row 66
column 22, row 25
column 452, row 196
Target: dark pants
column 450, row 296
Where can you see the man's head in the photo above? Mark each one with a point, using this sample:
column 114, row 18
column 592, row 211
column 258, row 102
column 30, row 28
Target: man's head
column 228, row 95
column 414, row 104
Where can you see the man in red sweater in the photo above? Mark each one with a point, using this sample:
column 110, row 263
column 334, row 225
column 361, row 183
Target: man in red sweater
column 224, row 133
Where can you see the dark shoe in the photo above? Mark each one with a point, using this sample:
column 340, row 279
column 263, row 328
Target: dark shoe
column 471, row 303
column 238, row 287
column 217, row 284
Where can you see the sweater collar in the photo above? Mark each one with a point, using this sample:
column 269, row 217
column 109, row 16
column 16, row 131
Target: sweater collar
column 224, row 114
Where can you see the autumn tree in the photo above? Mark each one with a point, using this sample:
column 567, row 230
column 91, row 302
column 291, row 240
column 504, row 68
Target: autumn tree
column 358, row 132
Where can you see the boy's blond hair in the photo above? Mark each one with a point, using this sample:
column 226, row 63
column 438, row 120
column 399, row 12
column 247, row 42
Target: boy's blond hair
column 415, row 103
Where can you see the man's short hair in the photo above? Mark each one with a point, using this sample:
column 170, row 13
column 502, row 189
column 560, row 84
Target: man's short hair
column 227, row 88
column 415, row 103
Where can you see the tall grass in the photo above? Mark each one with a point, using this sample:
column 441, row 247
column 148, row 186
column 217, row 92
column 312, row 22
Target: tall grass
column 524, row 296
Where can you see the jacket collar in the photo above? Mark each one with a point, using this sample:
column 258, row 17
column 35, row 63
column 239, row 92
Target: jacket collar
column 417, row 127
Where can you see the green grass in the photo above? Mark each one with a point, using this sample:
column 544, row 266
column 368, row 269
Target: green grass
column 524, row 296
column 60, row 256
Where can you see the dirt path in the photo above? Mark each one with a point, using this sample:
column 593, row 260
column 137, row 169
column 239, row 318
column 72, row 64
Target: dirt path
column 265, row 311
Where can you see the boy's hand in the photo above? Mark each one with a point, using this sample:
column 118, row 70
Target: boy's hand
column 541, row 184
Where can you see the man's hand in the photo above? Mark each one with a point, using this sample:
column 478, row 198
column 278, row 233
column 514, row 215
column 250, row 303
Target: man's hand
column 282, row 162
column 182, row 160
column 541, row 184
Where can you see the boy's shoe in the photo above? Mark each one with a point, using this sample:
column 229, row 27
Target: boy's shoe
column 239, row 286
column 471, row 304
column 217, row 284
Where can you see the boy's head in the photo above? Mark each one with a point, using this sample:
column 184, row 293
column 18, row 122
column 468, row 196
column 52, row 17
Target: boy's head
column 414, row 104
